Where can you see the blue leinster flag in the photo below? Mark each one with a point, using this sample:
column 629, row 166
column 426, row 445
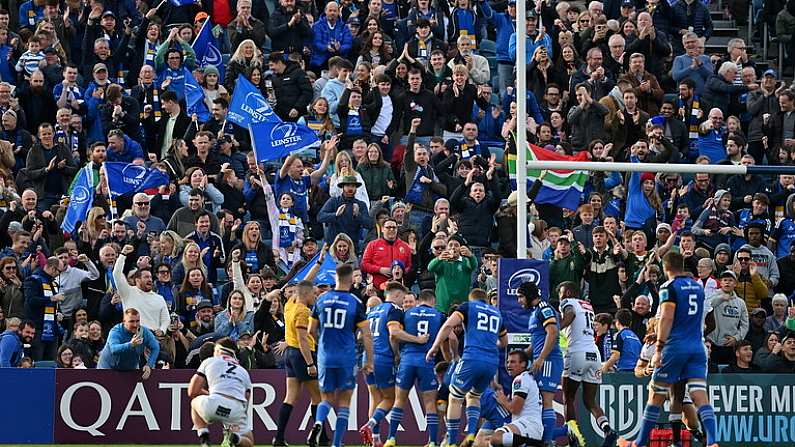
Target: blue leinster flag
column 81, row 200
column 127, row 178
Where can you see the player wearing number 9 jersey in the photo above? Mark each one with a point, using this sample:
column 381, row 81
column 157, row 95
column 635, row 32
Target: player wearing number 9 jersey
column 336, row 317
column 484, row 334
column 414, row 369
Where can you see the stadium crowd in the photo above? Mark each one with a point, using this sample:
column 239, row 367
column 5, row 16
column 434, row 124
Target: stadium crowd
column 414, row 104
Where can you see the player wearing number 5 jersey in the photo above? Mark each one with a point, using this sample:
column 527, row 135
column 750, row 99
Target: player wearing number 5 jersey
column 484, row 334
column 220, row 393
column 547, row 363
column 336, row 317
column 581, row 362
column 414, row 369
column 386, row 326
column 679, row 354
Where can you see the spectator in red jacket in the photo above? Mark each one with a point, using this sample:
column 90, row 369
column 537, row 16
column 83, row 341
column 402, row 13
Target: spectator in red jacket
column 379, row 253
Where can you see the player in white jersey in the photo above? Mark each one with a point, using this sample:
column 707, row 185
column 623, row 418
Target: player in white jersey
column 220, row 390
column 581, row 362
column 525, row 406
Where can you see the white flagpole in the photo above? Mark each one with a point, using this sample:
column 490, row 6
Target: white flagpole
column 521, row 129
column 111, row 206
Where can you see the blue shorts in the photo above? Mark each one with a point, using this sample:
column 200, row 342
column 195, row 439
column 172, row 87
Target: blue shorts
column 383, row 375
column 295, row 365
column 334, row 379
column 472, row 375
column 678, row 366
column 423, row 376
column 493, row 414
column 548, row 378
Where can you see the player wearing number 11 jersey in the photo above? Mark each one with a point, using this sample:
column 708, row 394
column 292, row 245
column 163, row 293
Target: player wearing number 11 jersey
column 336, row 317
column 484, row 334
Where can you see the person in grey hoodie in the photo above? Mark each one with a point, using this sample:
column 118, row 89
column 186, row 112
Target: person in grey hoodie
column 731, row 319
column 765, row 260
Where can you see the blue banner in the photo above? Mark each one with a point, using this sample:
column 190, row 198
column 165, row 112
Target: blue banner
column 194, row 97
column 128, row 178
column 272, row 141
column 327, row 275
column 182, row 2
column 81, row 199
column 511, row 273
column 207, row 53
column 248, row 106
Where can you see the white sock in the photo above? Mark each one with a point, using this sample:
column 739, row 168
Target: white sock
column 202, row 431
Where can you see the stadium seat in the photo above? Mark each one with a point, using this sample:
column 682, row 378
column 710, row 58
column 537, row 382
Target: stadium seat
column 45, row 364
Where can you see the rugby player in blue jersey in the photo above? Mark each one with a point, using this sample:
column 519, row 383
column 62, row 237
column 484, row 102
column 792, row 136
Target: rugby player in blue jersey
column 337, row 315
column 547, row 359
column 680, row 354
column 386, row 327
column 484, row 335
column 414, row 370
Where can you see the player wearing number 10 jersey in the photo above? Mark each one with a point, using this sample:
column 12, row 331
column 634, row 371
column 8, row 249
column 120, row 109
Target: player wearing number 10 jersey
column 484, row 334
column 336, row 317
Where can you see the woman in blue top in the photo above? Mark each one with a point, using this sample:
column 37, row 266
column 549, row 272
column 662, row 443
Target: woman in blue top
column 235, row 320
column 643, row 203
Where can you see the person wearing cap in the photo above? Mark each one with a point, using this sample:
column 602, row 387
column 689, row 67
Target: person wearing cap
column 567, row 264
column 756, row 329
column 753, row 286
column 14, row 132
column 535, row 38
column 731, row 319
column 763, row 105
column 345, row 214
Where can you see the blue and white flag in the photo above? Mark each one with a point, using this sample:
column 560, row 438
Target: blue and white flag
column 206, row 48
column 182, row 2
column 272, row 141
column 326, row 275
column 128, row 178
column 248, row 106
column 194, row 97
column 81, row 200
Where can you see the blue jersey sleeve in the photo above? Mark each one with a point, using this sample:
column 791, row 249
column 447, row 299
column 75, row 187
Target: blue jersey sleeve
column 360, row 315
column 547, row 316
column 395, row 315
column 618, row 343
column 668, row 293
column 463, row 309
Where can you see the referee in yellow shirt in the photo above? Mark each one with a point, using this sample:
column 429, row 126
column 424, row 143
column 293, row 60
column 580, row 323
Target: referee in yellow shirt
column 300, row 356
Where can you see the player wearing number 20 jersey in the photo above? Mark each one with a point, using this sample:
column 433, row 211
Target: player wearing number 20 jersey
column 339, row 314
column 483, row 327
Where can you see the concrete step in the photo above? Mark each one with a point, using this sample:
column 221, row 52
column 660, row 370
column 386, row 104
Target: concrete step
column 724, row 32
column 717, row 15
column 723, row 23
column 717, row 44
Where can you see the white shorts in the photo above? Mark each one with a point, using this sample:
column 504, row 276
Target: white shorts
column 528, row 427
column 232, row 413
column 582, row 367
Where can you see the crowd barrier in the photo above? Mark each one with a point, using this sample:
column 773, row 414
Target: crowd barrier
column 106, row 407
